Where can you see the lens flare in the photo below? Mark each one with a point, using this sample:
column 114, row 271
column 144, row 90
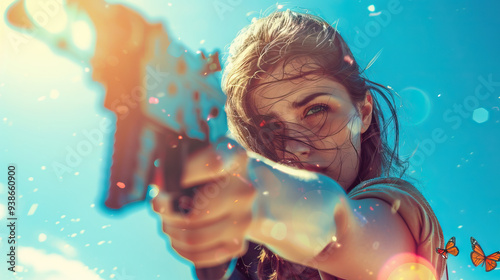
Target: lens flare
column 416, row 105
column 407, row 266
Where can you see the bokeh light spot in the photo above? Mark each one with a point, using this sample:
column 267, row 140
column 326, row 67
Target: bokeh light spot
column 82, row 34
column 480, row 115
column 416, row 105
column 279, row 231
column 42, row 237
column 407, row 266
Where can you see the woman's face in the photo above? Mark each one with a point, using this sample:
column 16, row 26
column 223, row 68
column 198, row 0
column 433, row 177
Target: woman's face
column 322, row 127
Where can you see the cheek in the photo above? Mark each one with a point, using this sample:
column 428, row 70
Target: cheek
column 344, row 133
column 354, row 128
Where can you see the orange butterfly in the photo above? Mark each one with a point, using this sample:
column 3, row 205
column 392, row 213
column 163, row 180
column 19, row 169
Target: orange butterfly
column 477, row 256
column 449, row 249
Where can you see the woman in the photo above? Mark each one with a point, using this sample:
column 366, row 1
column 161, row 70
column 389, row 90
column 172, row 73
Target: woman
column 295, row 96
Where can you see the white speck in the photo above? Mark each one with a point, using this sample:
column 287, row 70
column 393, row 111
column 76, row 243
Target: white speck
column 92, row 205
column 74, row 134
column 115, row 268
column 73, row 235
column 35, row 190
column 87, row 69
column 460, row 226
column 76, row 173
column 106, row 226
column 57, row 222
column 43, row 167
column 265, row 193
column 62, row 229
column 41, row 98
column 32, row 209
column 30, row 179
column 87, row 245
column 82, row 231
column 280, row 7
column 169, row 4
column 439, row 95
column 202, row 41
column 371, row 8
column 63, row 216
column 101, row 242
column 112, row 276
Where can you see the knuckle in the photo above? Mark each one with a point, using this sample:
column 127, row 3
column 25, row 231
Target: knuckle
column 188, row 255
column 192, row 239
column 165, row 228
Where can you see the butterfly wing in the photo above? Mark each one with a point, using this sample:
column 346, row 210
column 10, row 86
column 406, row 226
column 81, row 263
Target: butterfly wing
column 477, row 254
column 491, row 261
column 442, row 252
column 451, row 248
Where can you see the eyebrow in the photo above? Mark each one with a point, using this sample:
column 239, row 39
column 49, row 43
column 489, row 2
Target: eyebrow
column 307, row 99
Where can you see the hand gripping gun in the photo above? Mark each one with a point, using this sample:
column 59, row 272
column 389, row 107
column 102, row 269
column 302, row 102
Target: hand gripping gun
column 167, row 100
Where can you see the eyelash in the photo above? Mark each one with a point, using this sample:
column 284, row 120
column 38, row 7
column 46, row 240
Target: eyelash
column 322, row 106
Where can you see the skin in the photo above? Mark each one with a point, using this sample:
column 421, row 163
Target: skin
column 332, row 145
column 339, row 243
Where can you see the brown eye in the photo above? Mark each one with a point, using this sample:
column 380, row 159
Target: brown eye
column 315, row 109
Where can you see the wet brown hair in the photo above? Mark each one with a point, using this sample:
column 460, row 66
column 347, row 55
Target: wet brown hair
column 274, row 41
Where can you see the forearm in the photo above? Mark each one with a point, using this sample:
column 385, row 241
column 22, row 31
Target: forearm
column 307, row 218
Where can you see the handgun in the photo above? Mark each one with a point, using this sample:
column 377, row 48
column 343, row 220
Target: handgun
column 167, row 99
